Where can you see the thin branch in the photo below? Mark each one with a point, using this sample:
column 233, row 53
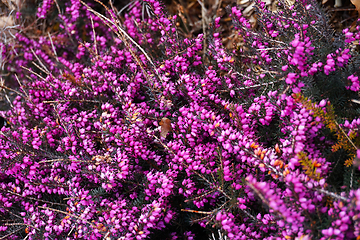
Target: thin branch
column 71, row 100
column 194, row 211
column 68, row 214
column 21, row 86
column 38, row 75
column 35, row 199
column 9, row 234
column 54, row 50
column 347, row 137
column 10, row 89
column 204, row 21
column 44, row 67
column 331, row 194
column 61, row 159
column 95, row 41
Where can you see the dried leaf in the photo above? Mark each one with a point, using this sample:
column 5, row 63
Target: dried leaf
column 338, row 3
column 357, row 4
column 249, row 10
column 243, row 2
column 165, row 124
column 290, row 2
column 6, row 21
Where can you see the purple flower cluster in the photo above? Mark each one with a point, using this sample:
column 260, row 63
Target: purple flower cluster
column 123, row 129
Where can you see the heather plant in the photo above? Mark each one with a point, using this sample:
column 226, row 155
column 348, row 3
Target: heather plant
column 123, row 129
